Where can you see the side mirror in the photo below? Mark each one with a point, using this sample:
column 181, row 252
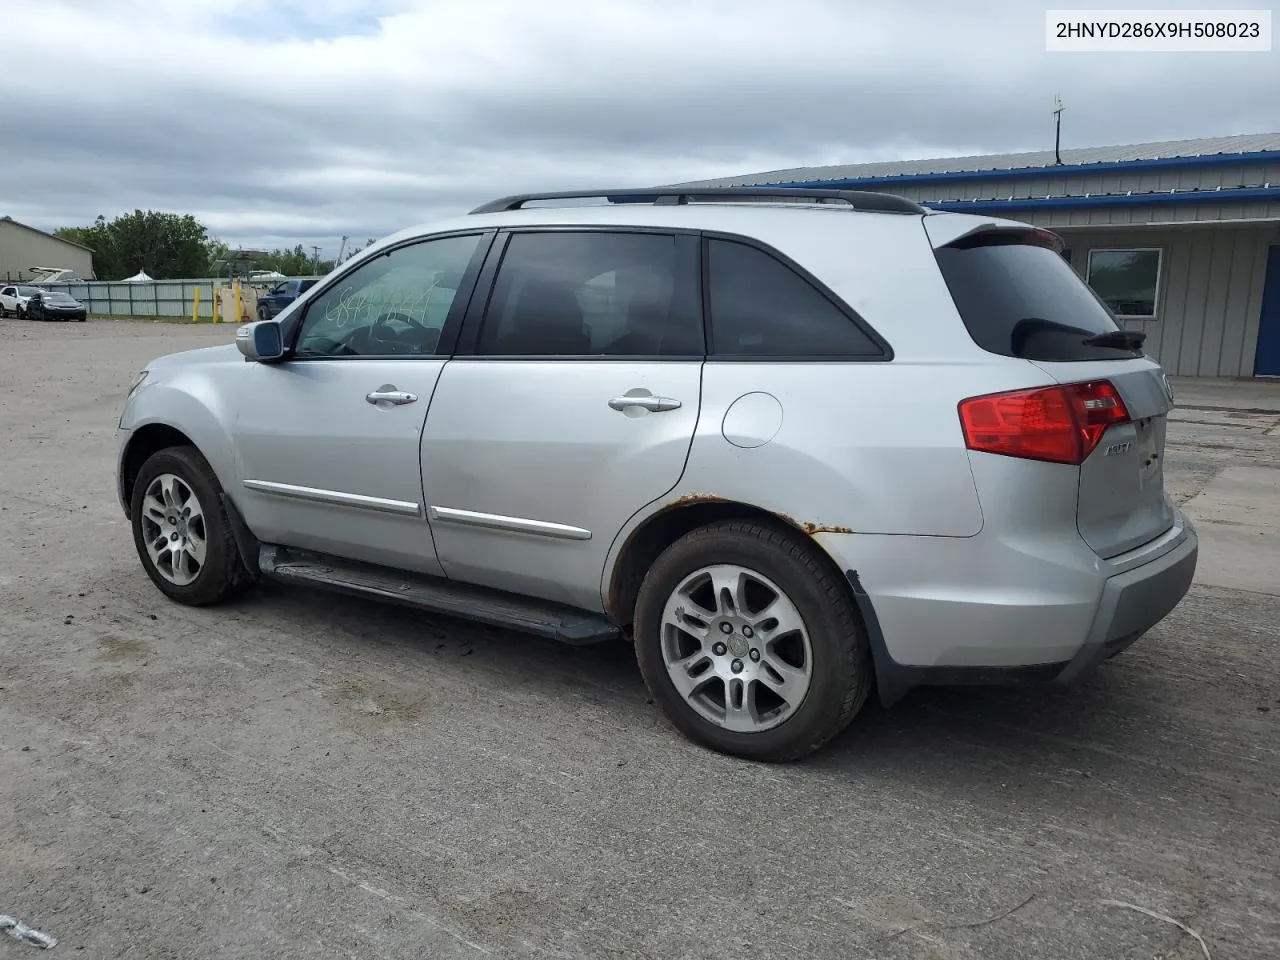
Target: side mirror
column 261, row 341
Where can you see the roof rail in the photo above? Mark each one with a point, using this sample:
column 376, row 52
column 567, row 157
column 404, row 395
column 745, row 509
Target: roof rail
column 668, row 196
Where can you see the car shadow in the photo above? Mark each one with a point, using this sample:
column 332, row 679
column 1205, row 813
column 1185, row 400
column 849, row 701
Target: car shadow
column 1087, row 727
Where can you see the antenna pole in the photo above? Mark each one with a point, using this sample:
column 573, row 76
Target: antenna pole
column 1057, row 129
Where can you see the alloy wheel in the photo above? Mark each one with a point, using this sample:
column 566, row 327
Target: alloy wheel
column 173, row 529
column 736, row 648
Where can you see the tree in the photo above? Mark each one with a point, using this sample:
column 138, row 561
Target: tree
column 166, row 246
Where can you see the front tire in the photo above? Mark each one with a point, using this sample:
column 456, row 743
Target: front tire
column 181, row 530
column 748, row 639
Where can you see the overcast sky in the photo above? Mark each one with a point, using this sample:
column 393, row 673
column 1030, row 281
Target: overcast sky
column 278, row 122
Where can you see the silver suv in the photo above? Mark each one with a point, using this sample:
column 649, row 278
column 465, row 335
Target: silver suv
column 787, row 443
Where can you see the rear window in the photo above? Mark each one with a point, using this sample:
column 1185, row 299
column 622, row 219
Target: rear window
column 1022, row 299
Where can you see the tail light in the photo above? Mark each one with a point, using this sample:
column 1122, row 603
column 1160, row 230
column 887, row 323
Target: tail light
column 1059, row 424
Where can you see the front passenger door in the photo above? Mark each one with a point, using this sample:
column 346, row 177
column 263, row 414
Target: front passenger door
column 575, row 408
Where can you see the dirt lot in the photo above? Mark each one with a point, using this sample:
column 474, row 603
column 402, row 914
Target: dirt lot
column 305, row 776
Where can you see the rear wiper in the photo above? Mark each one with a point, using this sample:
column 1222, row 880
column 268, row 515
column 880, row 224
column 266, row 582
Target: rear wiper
column 1124, row 339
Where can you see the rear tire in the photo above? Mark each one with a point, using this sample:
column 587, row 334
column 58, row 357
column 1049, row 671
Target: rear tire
column 748, row 639
column 181, row 530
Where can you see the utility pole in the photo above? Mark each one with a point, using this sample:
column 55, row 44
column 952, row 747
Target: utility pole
column 1057, row 129
column 315, row 256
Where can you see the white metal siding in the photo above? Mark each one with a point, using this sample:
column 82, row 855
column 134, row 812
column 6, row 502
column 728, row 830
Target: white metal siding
column 1210, row 299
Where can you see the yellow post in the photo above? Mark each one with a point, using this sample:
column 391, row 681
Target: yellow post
column 195, row 307
column 239, row 306
column 217, row 300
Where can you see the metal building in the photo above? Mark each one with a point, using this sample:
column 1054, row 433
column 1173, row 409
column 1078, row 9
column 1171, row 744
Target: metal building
column 23, row 247
column 1181, row 238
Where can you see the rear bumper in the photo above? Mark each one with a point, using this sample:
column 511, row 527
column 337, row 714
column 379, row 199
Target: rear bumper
column 1012, row 611
column 1134, row 602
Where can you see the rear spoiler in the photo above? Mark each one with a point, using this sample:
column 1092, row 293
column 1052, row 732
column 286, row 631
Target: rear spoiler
column 949, row 231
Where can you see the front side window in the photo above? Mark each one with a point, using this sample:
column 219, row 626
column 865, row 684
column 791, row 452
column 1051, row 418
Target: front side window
column 760, row 307
column 392, row 305
column 579, row 294
column 1126, row 280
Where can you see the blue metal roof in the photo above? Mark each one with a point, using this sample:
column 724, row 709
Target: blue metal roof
column 1247, row 149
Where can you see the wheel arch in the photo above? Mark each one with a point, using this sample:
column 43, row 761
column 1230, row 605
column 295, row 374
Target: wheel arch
column 643, row 545
column 143, row 443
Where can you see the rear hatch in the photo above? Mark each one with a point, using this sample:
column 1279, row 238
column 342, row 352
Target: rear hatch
column 1019, row 298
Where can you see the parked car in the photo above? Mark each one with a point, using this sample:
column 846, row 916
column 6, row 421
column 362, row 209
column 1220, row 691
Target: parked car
column 789, row 444
column 13, row 299
column 54, row 305
column 283, row 294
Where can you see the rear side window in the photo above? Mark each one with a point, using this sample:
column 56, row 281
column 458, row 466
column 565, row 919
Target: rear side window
column 760, row 307
column 584, row 294
column 1022, row 299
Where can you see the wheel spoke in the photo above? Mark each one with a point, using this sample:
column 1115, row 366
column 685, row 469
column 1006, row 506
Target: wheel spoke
column 196, row 546
column 788, row 682
column 152, row 507
column 740, row 706
column 686, row 684
column 778, row 618
column 185, row 564
column 169, row 491
column 191, row 509
column 729, row 584
column 694, row 624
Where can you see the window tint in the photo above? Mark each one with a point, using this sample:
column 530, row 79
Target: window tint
column 305, row 285
column 761, row 307
column 1126, row 280
column 592, row 294
column 1023, row 300
column 395, row 304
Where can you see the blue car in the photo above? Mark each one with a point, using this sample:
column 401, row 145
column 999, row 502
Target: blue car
column 283, row 294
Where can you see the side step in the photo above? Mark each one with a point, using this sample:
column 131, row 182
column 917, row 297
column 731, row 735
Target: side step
column 543, row 618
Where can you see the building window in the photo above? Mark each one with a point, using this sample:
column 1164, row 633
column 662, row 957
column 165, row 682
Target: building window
column 1126, row 280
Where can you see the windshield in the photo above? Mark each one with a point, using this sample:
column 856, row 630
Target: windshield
column 59, row 298
column 1021, row 299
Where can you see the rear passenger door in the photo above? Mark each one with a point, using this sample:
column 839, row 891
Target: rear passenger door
column 570, row 405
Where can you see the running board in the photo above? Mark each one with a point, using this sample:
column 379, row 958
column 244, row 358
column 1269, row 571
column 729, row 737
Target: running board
column 543, row 618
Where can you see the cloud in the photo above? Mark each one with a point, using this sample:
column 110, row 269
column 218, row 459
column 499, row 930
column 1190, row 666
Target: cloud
column 286, row 121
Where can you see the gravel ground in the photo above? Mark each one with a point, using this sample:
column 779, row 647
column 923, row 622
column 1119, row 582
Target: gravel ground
column 305, row 776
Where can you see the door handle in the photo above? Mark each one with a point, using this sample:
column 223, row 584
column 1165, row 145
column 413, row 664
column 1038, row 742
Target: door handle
column 654, row 404
column 384, row 395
